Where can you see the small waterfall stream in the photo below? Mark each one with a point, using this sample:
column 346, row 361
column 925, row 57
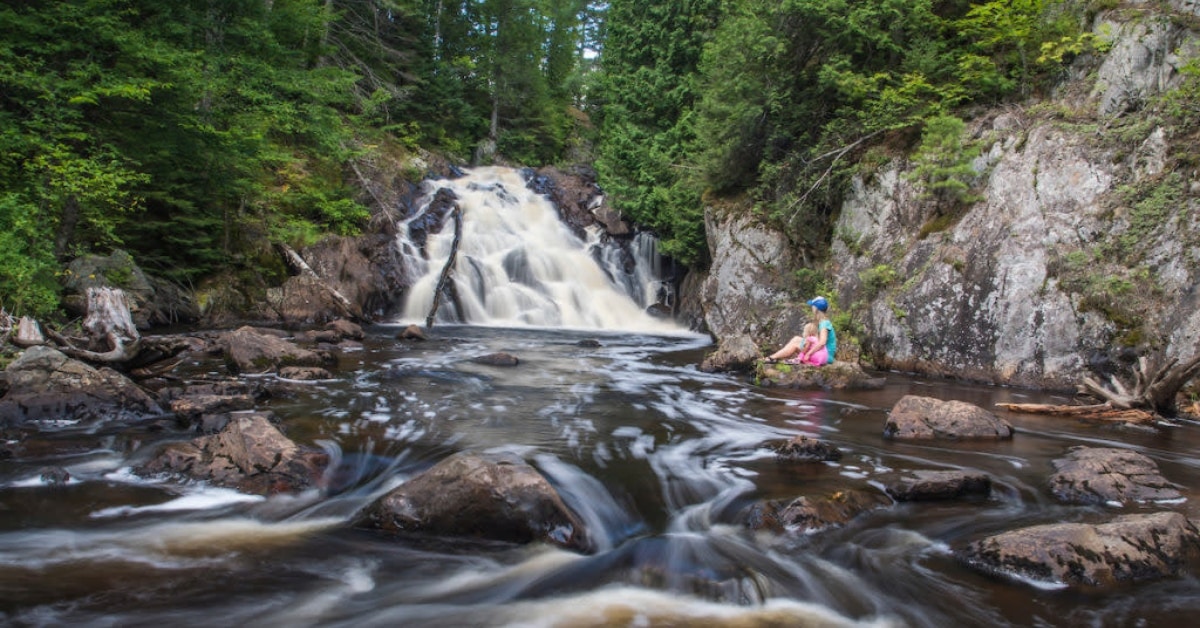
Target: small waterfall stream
column 519, row 265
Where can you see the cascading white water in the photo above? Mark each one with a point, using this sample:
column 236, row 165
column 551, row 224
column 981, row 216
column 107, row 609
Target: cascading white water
column 519, row 265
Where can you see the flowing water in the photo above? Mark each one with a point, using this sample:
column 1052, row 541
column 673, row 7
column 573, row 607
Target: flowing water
column 659, row 459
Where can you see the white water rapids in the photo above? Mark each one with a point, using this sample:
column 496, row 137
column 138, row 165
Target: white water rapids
column 518, row 265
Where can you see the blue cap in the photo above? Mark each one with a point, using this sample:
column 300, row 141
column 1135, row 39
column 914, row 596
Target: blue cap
column 820, row 303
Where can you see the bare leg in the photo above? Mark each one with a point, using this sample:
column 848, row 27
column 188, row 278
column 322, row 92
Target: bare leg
column 788, row 350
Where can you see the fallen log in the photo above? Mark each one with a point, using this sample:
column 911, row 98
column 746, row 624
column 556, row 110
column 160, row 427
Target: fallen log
column 1090, row 412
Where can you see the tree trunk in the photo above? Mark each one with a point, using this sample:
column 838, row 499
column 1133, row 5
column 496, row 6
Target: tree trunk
column 29, row 333
column 66, row 228
column 108, row 314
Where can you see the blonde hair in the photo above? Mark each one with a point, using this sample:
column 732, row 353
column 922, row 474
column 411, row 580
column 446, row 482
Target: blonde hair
column 810, row 329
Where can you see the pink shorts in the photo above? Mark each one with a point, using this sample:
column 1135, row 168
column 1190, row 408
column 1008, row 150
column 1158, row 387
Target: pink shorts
column 820, row 357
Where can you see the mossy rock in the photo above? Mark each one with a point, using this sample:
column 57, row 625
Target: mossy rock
column 837, row 376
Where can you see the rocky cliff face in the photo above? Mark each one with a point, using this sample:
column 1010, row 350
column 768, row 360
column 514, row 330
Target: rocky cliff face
column 1082, row 249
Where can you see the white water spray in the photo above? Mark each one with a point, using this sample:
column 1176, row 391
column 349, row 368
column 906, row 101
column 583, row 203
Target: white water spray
column 519, row 265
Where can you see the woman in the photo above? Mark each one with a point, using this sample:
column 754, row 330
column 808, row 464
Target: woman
column 814, row 351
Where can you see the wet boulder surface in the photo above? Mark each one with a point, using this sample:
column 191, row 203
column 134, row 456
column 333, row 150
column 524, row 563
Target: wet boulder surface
column 915, row 417
column 1109, row 476
column 1129, row 549
column 493, row 496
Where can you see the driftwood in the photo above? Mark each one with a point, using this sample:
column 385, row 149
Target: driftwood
column 112, row 338
column 1153, row 393
column 1154, row 388
column 441, row 284
column 1091, row 412
column 297, row 263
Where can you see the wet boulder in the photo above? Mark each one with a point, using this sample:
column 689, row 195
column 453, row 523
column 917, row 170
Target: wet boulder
column 492, row 496
column 936, row 485
column 190, row 408
column 412, row 332
column 497, row 359
column 735, row 353
column 812, row 514
column 46, row 384
column 925, row 418
column 1131, row 548
column 1108, row 475
column 249, row 454
column 805, row 449
column 304, row 373
column 247, row 351
column 836, row 376
column 345, row 330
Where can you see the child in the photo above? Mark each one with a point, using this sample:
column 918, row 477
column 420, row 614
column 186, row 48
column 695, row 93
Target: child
column 793, row 351
column 817, row 345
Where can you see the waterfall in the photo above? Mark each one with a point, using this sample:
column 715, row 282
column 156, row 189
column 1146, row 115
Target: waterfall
column 519, row 265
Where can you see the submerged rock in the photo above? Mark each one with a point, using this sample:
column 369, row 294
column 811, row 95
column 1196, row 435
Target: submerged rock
column 412, row 332
column 497, row 359
column 249, row 454
column 190, row 408
column 46, row 384
column 1106, row 475
column 805, row 449
column 490, row 496
column 812, row 514
column 934, row 485
column 1132, row 548
column 304, row 373
column 835, row 376
column 918, row 418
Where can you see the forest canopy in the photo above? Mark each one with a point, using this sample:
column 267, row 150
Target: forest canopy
column 191, row 132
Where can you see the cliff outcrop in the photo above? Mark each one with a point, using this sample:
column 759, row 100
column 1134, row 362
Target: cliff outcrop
column 1079, row 248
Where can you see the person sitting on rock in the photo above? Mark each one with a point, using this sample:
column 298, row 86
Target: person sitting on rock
column 793, row 352
column 814, row 349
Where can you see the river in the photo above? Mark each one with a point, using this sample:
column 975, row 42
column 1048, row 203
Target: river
column 659, row 459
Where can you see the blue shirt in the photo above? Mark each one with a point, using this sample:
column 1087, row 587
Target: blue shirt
column 830, row 338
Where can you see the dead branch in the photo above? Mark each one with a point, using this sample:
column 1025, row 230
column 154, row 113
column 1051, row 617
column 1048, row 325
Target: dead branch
column 119, row 353
column 437, row 293
column 1155, row 388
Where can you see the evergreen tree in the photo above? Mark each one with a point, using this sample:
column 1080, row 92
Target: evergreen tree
column 646, row 92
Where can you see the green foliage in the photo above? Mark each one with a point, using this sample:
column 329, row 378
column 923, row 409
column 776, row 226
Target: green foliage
column 877, row 278
column 786, row 96
column 194, row 132
column 811, row 281
column 28, row 285
column 1183, row 103
column 943, row 161
column 1151, row 208
column 646, row 92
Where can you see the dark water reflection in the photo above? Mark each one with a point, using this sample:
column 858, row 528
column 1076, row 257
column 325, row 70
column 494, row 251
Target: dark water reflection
column 659, row 459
